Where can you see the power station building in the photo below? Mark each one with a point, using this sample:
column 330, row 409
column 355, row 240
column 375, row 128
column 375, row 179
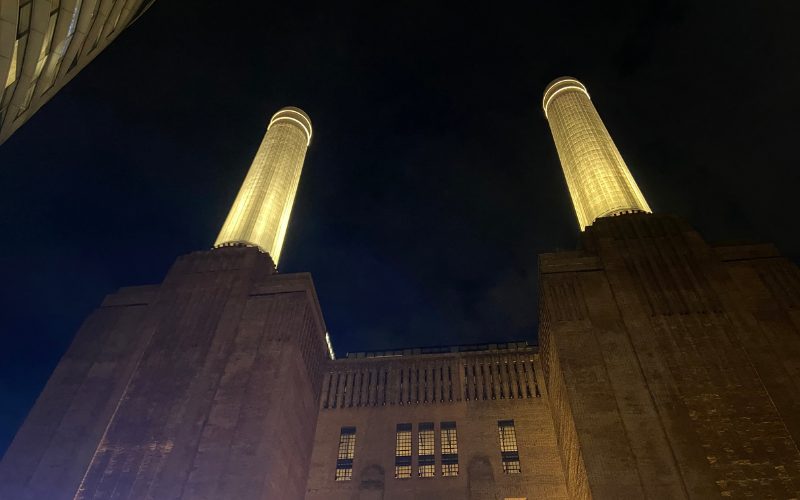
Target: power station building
column 667, row 368
column 45, row 43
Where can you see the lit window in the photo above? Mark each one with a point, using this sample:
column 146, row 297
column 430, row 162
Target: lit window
column 347, row 449
column 402, row 452
column 426, row 458
column 508, row 446
column 449, row 440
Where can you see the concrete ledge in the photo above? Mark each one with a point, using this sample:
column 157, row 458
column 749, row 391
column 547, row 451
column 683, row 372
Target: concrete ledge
column 746, row 252
column 566, row 262
column 131, row 296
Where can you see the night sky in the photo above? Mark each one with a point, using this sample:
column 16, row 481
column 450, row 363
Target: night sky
column 431, row 183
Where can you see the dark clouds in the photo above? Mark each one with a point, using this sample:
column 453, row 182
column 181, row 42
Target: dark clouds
column 431, row 183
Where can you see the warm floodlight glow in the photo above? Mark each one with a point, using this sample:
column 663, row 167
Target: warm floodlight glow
column 329, row 344
column 564, row 84
column 260, row 215
column 302, row 120
column 599, row 182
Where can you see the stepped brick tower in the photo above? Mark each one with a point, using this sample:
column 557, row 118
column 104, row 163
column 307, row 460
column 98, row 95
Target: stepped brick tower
column 204, row 386
column 598, row 179
column 670, row 362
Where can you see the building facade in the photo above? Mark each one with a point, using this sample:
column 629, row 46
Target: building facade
column 204, row 386
column 668, row 368
column 671, row 364
column 683, row 354
column 45, row 43
column 460, row 422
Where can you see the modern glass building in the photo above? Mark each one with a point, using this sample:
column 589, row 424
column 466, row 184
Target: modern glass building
column 44, row 43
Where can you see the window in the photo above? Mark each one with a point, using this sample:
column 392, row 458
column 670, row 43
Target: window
column 426, row 459
column 402, row 452
column 508, row 446
column 449, row 441
column 347, row 448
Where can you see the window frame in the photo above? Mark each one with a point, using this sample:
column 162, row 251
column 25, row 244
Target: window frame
column 345, row 454
column 509, row 447
column 448, row 442
column 426, row 450
column 403, row 451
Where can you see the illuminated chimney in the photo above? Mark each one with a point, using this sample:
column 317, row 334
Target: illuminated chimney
column 260, row 215
column 599, row 182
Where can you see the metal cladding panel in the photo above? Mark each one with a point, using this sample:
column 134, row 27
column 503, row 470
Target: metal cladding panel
column 44, row 44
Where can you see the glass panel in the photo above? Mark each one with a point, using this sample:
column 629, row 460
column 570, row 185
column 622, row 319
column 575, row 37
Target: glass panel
column 347, row 449
column 427, row 459
column 508, row 447
column 449, row 444
column 402, row 453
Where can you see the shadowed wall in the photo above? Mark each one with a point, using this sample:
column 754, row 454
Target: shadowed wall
column 671, row 364
column 203, row 387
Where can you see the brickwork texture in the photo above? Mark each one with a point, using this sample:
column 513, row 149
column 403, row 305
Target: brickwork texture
column 672, row 364
column 668, row 368
column 203, row 387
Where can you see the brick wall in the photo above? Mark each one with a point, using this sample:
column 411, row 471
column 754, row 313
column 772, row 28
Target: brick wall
column 664, row 381
column 485, row 387
column 206, row 386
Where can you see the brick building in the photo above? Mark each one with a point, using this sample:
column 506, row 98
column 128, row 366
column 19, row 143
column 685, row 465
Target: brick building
column 464, row 422
column 672, row 364
column 668, row 368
